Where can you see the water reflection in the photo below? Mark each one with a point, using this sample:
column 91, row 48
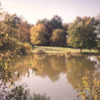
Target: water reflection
column 61, row 70
column 76, row 68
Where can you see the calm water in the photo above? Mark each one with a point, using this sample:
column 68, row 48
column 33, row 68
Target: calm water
column 55, row 75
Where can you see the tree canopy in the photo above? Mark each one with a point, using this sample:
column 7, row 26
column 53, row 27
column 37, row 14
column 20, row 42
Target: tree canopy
column 38, row 33
column 59, row 37
column 81, row 33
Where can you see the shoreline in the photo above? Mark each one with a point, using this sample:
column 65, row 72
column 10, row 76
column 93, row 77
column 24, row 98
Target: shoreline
column 62, row 50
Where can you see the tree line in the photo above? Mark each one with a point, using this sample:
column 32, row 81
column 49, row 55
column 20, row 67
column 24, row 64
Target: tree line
column 18, row 34
column 83, row 33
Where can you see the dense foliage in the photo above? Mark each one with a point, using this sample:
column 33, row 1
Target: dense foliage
column 14, row 32
column 81, row 33
column 17, row 35
column 59, row 37
column 38, row 34
column 51, row 25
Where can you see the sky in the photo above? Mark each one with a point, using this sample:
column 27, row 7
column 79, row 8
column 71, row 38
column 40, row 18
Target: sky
column 33, row 10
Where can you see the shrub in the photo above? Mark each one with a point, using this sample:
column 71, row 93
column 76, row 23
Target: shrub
column 40, row 51
column 9, row 44
column 28, row 47
column 21, row 47
column 12, row 44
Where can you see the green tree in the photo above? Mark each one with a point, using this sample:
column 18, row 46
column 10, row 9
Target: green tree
column 97, row 23
column 59, row 37
column 16, row 27
column 65, row 26
column 10, row 24
column 56, row 22
column 38, row 33
column 47, row 25
column 81, row 33
column 50, row 25
column 23, row 31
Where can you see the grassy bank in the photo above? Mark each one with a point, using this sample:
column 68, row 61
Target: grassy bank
column 58, row 50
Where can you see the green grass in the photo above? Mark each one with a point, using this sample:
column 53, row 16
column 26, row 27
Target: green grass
column 64, row 50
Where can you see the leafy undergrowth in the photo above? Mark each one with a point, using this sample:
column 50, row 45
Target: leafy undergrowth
column 89, row 89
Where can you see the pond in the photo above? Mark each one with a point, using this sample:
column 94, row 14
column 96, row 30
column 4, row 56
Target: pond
column 56, row 77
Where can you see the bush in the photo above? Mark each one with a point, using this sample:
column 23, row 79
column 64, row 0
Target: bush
column 28, row 47
column 40, row 51
column 21, row 47
column 9, row 44
column 12, row 44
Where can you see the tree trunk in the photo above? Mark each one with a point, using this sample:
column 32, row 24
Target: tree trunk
column 80, row 50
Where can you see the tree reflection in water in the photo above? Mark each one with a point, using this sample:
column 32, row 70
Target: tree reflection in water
column 74, row 67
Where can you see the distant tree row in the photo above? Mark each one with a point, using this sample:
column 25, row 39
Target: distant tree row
column 49, row 32
column 83, row 33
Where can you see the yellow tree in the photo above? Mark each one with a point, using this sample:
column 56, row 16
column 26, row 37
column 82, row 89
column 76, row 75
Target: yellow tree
column 38, row 34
